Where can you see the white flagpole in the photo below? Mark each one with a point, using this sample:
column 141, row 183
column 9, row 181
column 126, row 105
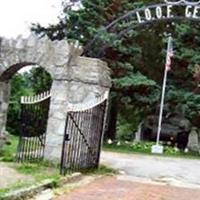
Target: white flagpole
column 163, row 93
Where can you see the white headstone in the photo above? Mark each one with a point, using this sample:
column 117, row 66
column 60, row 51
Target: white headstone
column 193, row 140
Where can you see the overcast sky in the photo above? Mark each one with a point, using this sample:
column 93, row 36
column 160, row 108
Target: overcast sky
column 17, row 15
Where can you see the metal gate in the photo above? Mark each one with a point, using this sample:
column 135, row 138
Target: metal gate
column 83, row 137
column 34, row 117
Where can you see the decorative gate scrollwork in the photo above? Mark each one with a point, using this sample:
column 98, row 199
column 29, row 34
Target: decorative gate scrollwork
column 34, row 117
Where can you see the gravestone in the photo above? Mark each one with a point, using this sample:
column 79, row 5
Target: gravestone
column 193, row 140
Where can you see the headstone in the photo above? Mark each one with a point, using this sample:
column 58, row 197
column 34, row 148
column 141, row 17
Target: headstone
column 193, row 144
column 138, row 133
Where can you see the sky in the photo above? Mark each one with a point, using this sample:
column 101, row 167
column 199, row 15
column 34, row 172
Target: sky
column 16, row 16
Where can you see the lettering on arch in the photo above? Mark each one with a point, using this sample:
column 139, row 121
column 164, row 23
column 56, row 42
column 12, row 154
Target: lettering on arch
column 193, row 2
column 188, row 9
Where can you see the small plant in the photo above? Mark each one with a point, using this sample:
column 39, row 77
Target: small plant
column 101, row 170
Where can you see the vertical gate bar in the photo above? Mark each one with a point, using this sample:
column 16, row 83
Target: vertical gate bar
column 37, row 116
column 103, row 121
column 24, row 138
column 69, row 147
column 92, row 134
column 89, row 133
column 64, row 150
column 41, row 113
column 19, row 147
column 75, row 132
column 35, row 137
column 73, row 141
column 84, row 149
column 82, row 142
column 78, row 141
column 97, row 133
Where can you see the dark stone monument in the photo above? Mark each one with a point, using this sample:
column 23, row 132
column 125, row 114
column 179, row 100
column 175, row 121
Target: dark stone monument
column 175, row 128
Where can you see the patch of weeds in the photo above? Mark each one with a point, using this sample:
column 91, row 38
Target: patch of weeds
column 40, row 171
column 28, row 168
column 8, row 151
column 13, row 187
column 101, row 170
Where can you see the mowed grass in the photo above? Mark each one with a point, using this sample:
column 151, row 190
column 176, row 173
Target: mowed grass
column 145, row 148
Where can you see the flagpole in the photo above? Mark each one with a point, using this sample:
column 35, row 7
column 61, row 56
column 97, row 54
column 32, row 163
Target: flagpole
column 163, row 93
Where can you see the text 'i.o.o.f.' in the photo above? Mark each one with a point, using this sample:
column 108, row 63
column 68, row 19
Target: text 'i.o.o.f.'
column 157, row 12
column 168, row 11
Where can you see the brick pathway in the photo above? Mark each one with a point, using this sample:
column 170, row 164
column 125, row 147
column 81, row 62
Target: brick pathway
column 110, row 188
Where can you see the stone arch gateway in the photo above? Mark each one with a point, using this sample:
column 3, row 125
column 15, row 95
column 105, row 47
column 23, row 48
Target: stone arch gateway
column 76, row 80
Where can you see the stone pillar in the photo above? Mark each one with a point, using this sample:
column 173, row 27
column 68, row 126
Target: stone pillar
column 56, row 121
column 82, row 81
column 4, row 99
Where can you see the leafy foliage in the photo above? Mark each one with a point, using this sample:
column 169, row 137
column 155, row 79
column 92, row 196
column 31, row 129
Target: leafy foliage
column 137, row 59
column 25, row 84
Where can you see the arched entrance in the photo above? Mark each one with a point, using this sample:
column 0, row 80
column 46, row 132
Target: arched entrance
column 5, row 80
column 70, row 87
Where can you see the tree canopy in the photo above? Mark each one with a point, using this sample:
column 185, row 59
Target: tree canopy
column 137, row 59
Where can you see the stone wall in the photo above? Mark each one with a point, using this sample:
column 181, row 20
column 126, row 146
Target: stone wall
column 4, row 98
column 76, row 80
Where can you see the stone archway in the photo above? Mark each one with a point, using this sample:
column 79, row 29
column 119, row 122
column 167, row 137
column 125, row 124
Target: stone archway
column 75, row 80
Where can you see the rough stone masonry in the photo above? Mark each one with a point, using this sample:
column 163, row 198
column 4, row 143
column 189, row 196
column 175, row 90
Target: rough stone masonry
column 76, row 80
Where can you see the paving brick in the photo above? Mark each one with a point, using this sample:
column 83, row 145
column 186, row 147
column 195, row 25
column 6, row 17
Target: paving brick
column 110, row 188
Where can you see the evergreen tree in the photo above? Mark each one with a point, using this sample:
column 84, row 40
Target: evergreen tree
column 137, row 58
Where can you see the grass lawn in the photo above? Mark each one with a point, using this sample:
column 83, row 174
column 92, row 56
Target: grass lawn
column 145, row 148
column 8, row 152
column 34, row 173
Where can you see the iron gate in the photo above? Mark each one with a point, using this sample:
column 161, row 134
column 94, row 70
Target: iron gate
column 82, row 139
column 34, row 116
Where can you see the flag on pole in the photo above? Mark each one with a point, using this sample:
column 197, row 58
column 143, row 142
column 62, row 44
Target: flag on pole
column 170, row 54
column 158, row 148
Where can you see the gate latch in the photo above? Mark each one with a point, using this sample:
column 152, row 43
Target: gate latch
column 67, row 137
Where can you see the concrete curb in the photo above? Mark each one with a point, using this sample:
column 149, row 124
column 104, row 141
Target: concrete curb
column 24, row 193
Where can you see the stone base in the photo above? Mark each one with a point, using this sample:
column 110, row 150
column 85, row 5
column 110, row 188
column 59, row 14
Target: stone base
column 157, row 149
